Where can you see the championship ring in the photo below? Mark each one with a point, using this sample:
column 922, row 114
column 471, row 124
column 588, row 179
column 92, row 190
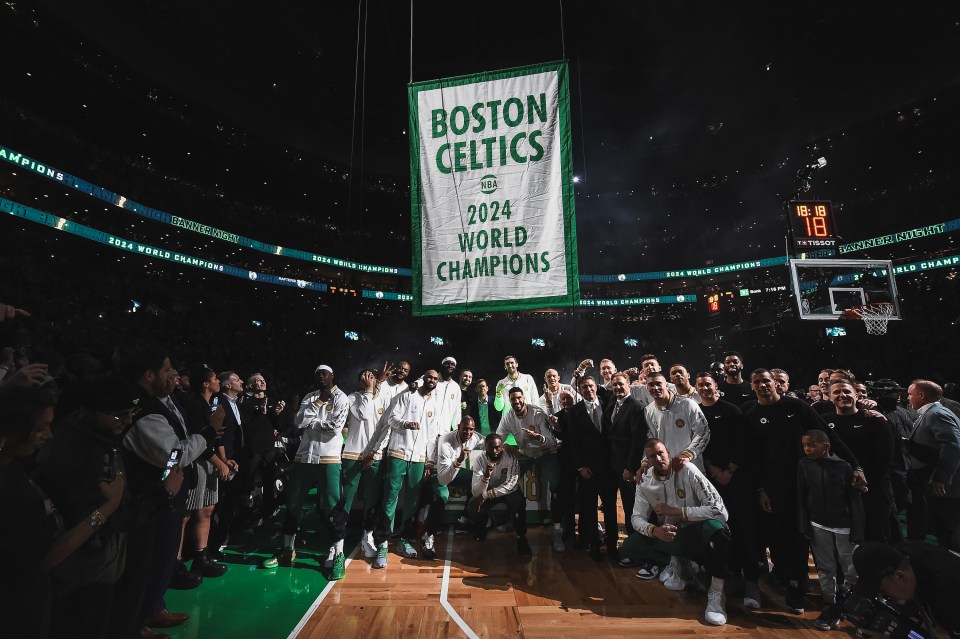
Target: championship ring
column 681, row 493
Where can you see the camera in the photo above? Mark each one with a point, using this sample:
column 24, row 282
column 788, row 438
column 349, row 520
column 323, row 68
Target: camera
column 876, row 614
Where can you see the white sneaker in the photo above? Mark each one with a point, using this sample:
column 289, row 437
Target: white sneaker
column 366, row 543
column 751, row 595
column 328, row 563
column 557, row 541
column 716, row 613
column 670, row 570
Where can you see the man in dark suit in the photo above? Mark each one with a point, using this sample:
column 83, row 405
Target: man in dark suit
column 934, row 449
column 625, row 428
column 485, row 416
column 233, row 449
column 591, row 457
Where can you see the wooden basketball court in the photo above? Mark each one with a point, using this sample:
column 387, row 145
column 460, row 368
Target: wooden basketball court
column 485, row 589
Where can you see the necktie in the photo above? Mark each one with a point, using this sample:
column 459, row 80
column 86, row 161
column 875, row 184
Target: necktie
column 596, row 417
column 616, row 409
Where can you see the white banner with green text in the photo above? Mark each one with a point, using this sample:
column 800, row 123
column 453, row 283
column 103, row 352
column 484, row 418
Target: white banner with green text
column 492, row 192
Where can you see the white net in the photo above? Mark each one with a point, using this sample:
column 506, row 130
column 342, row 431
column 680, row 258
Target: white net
column 876, row 317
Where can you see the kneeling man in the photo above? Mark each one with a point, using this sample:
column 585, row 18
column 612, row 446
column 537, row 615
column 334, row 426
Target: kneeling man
column 693, row 526
column 496, row 480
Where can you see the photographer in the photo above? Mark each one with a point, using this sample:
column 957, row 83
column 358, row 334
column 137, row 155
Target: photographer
column 919, row 579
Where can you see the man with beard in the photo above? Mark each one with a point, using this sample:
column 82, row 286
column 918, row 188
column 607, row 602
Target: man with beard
column 367, row 406
column 410, row 423
column 392, row 380
column 536, row 444
column 733, row 389
column 453, row 469
column 321, row 418
column 158, row 429
column 514, row 379
column 871, row 440
column 496, row 480
column 468, row 399
column 448, row 394
column 775, row 426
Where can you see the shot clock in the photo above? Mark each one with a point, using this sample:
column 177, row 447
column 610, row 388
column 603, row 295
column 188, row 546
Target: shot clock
column 812, row 224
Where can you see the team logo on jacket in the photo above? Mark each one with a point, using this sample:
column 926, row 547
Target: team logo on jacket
column 681, row 493
column 429, row 413
column 503, row 471
column 680, row 423
column 380, row 411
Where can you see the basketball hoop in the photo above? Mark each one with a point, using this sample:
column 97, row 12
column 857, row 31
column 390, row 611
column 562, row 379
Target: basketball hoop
column 875, row 316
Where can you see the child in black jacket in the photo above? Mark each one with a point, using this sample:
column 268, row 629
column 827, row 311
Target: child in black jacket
column 831, row 516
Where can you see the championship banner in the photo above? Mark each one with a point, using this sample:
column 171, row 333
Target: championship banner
column 492, row 192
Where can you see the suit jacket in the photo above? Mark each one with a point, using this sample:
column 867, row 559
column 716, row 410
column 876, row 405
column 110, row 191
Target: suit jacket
column 493, row 415
column 589, row 447
column 935, row 443
column 232, row 440
column 625, row 434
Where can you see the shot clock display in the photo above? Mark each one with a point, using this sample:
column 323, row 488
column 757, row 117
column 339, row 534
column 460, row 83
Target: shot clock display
column 812, row 224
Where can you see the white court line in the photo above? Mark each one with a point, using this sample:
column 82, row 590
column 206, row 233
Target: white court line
column 323, row 594
column 467, row 630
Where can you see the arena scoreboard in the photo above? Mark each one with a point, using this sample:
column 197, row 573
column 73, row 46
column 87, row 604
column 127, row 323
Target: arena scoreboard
column 812, row 224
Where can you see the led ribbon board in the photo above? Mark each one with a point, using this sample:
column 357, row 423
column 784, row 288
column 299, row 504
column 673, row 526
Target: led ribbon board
column 39, row 168
column 492, row 198
column 74, row 228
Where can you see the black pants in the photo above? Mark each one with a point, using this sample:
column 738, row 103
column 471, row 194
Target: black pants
column 84, row 612
column 628, row 495
column 516, row 506
column 568, row 489
column 790, row 550
column 602, row 486
column 225, row 513
column 741, row 501
column 129, row 592
column 164, row 556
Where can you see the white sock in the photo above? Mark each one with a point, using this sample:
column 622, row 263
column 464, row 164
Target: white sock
column 557, row 525
column 288, row 542
column 716, row 584
column 339, row 546
column 383, row 545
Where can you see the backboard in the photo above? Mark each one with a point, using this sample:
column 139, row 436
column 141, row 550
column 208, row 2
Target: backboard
column 824, row 289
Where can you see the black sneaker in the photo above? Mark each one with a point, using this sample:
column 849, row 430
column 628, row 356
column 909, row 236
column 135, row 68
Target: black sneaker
column 523, row 546
column 794, row 600
column 829, row 618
